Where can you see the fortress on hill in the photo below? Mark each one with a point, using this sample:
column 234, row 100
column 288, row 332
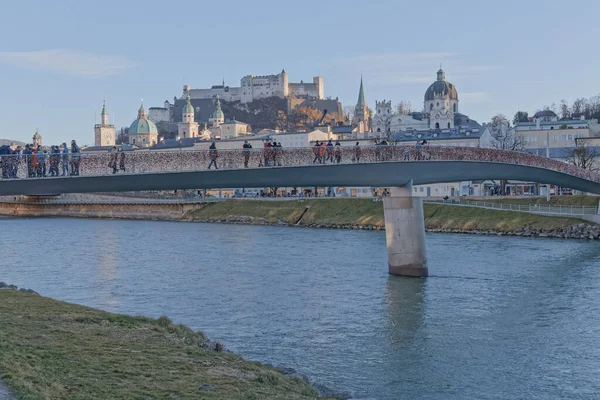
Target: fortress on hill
column 259, row 87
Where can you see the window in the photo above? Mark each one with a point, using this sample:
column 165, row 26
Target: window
column 448, row 125
column 421, row 189
column 437, row 125
column 437, row 104
column 454, row 107
column 430, row 107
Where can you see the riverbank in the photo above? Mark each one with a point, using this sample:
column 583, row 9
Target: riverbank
column 54, row 350
column 321, row 213
column 368, row 215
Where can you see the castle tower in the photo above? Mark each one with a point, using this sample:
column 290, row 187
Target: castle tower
column 285, row 82
column 383, row 117
column 361, row 111
column 104, row 133
column 319, row 84
column 217, row 118
column 187, row 128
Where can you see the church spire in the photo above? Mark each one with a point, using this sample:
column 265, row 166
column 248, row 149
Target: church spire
column 104, row 115
column 142, row 112
column 361, row 94
column 441, row 75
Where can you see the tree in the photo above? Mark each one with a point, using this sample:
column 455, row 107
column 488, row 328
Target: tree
column 505, row 137
column 306, row 117
column 520, row 116
column 123, row 136
column 585, row 155
column 348, row 113
column 579, row 106
column 565, row 112
column 404, row 107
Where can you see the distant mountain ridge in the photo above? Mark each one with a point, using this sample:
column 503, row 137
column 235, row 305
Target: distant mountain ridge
column 10, row 142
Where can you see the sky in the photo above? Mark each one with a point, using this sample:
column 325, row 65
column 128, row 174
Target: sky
column 60, row 59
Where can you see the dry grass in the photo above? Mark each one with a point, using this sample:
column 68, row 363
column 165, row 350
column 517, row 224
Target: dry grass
column 439, row 216
column 329, row 212
column 56, row 350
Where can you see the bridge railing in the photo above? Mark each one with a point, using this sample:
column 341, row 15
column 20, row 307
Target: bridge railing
column 532, row 208
column 153, row 161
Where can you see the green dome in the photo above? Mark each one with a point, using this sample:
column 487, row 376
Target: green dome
column 188, row 109
column 218, row 114
column 142, row 125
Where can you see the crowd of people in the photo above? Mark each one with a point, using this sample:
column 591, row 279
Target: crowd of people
column 35, row 162
column 39, row 162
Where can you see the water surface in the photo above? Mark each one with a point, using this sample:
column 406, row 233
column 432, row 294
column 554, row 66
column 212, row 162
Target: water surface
column 499, row 318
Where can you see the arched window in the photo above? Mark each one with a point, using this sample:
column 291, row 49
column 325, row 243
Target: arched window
column 437, row 125
column 431, row 107
column 454, row 107
column 378, row 130
column 448, row 125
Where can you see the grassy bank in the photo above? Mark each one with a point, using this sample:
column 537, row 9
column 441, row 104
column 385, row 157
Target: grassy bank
column 55, row 350
column 365, row 212
column 587, row 201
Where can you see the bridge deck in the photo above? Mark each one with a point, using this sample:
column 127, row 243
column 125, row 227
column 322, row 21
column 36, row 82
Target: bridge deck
column 331, row 166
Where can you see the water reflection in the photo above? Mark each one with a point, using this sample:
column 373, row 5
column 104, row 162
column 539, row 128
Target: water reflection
column 405, row 298
column 107, row 242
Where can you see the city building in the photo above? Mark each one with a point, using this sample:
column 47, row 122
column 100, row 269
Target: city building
column 188, row 127
column 143, row 132
column 561, row 132
column 257, row 87
column 440, row 105
column 104, row 133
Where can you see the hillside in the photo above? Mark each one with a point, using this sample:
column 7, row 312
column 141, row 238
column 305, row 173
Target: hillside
column 11, row 142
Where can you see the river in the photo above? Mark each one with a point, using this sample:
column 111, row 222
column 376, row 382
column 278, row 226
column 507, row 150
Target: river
column 499, row 318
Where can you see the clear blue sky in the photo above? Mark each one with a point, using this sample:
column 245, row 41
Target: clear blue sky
column 59, row 59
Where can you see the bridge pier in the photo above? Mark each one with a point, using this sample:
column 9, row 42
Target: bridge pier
column 405, row 233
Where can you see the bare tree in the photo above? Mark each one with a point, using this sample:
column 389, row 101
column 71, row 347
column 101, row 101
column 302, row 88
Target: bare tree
column 579, row 106
column 504, row 136
column 565, row 111
column 348, row 113
column 404, row 107
column 585, row 155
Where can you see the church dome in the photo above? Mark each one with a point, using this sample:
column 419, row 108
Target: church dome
column 142, row 125
column 441, row 87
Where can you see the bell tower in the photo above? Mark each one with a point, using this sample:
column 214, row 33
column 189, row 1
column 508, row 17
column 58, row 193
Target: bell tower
column 104, row 133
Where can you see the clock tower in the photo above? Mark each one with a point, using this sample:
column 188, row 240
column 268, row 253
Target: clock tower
column 104, row 132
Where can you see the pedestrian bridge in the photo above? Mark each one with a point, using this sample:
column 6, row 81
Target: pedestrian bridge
column 373, row 166
column 380, row 166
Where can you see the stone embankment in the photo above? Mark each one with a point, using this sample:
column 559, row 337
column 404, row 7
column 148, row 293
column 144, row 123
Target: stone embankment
column 580, row 231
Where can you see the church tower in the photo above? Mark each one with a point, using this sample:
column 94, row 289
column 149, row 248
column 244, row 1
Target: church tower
column 217, row 118
column 441, row 102
column 187, row 128
column 104, row 132
column 361, row 111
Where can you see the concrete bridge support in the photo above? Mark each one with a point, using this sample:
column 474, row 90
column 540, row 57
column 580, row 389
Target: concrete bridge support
column 405, row 233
